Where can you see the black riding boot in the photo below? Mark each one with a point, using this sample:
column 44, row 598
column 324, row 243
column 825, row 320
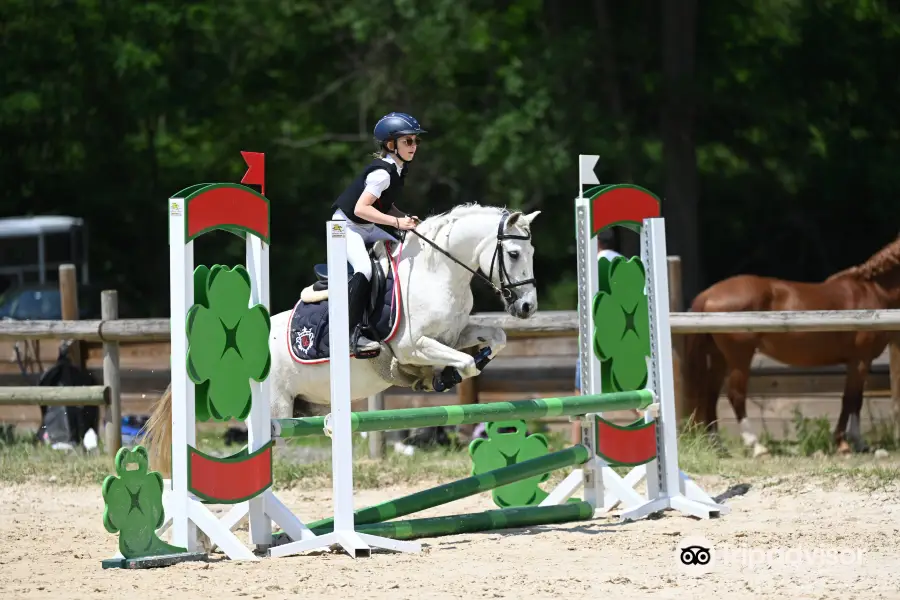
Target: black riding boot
column 358, row 296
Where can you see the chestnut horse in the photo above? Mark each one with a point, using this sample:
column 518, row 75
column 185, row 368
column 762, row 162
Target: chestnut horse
column 711, row 358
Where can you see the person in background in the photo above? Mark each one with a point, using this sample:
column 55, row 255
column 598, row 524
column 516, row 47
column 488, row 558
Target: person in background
column 605, row 243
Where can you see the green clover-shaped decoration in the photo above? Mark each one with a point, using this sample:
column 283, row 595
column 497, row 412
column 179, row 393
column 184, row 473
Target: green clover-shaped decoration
column 228, row 343
column 622, row 324
column 507, row 445
column 134, row 507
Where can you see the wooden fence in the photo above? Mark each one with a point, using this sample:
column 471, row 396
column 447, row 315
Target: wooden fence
column 539, row 329
column 111, row 331
column 106, row 395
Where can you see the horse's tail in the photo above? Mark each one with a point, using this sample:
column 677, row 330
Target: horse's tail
column 700, row 355
column 158, row 434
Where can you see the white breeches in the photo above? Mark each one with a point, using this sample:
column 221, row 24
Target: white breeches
column 358, row 235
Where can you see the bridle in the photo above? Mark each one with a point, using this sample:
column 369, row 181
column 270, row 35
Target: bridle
column 506, row 286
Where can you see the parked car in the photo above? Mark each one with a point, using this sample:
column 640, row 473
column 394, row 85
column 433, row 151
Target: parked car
column 42, row 301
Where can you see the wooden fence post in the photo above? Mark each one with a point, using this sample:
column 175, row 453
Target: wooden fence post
column 467, row 393
column 109, row 311
column 376, row 438
column 676, row 304
column 894, row 353
column 68, row 295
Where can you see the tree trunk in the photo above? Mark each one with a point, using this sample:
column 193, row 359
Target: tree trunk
column 627, row 242
column 679, row 154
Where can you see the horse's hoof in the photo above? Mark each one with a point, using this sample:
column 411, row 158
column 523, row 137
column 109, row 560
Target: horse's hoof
column 861, row 447
column 422, row 385
column 404, row 449
column 759, row 450
column 844, row 447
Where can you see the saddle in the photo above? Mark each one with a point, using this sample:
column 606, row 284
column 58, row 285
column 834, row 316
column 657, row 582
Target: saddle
column 366, row 300
column 374, row 312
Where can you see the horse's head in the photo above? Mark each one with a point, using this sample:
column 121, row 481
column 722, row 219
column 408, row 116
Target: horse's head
column 509, row 263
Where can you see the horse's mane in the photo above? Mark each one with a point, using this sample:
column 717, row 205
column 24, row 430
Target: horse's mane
column 883, row 261
column 432, row 225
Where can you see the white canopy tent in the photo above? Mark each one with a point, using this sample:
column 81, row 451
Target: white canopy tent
column 40, row 227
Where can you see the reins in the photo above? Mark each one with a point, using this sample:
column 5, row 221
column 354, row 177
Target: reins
column 506, row 285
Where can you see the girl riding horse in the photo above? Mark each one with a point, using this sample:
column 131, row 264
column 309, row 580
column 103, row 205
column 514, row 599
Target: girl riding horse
column 370, row 201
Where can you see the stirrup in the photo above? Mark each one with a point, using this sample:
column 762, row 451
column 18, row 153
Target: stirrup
column 362, row 347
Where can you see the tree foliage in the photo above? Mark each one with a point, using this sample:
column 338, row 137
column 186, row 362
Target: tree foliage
column 109, row 107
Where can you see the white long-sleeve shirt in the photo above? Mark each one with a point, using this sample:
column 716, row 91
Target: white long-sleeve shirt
column 377, row 181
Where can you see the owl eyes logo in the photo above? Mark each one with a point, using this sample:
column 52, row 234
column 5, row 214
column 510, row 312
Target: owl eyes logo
column 695, row 556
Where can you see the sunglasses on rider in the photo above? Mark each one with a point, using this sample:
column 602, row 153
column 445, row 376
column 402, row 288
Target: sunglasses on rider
column 411, row 141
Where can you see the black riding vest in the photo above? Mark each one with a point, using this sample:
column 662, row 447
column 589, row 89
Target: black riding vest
column 347, row 200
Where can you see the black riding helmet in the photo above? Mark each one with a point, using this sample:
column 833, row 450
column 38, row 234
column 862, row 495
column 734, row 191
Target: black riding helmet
column 395, row 125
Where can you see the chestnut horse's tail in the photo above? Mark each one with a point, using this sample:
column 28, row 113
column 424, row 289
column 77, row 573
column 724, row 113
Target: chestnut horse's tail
column 702, row 372
column 158, row 435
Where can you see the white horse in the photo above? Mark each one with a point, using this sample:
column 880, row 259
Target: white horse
column 436, row 266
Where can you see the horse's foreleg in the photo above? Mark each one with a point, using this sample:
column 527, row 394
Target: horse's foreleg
column 429, row 351
column 476, row 337
column 738, row 351
column 430, row 356
column 845, row 438
column 472, row 339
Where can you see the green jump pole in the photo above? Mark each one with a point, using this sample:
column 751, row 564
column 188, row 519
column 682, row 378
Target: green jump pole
column 433, row 416
column 301, row 427
column 463, row 488
column 505, row 518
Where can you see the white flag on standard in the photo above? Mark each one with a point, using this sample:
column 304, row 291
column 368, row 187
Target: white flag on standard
column 586, row 164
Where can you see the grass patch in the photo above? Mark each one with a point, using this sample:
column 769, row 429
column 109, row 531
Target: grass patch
column 23, row 462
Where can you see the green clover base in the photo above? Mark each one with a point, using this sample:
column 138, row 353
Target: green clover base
column 133, row 505
column 507, row 444
column 152, row 562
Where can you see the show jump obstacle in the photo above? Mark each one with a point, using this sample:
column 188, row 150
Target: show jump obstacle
column 625, row 343
column 220, row 367
column 220, row 364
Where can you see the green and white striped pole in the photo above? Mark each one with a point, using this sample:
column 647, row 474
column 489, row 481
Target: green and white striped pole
column 505, row 518
column 463, row 488
column 434, row 416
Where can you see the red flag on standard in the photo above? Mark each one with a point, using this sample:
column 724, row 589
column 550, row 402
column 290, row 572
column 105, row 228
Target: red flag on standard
column 256, row 169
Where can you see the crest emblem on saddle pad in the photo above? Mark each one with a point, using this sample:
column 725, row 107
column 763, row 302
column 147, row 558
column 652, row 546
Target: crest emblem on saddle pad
column 304, row 340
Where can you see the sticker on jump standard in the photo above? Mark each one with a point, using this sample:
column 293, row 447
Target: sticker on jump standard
column 337, row 230
column 175, row 209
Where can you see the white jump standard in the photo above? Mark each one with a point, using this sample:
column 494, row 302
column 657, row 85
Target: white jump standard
column 666, row 486
column 354, row 543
